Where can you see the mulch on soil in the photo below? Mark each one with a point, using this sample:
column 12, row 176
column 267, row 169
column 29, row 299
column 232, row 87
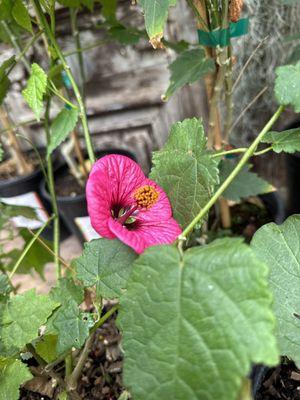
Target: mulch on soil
column 282, row 382
column 101, row 375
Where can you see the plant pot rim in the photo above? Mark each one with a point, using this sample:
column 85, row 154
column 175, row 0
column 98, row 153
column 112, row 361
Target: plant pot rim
column 4, row 183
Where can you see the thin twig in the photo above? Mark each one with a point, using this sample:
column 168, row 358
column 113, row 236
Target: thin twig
column 252, row 102
column 248, row 62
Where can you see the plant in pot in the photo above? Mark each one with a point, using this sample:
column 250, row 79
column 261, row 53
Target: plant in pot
column 193, row 315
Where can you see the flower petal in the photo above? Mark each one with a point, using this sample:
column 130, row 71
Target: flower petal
column 130, row 237
column 112, row 180
column 164, row 232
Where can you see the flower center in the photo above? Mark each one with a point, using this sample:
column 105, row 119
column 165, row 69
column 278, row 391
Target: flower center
column 146, row 196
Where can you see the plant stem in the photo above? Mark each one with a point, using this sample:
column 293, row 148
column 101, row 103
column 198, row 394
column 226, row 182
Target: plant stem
column 59, row 95
column 86, row 48
column 228, row 97
column 16, row 126
column 250, row 151
column 51, row 187
column 16, row 45
column 66, row 67
column 28, row 247
column 72, row 381
column 245, row 393
column 74, row 376
column 24, row 51
column 22, row 165
column 50, row 251
column 76, row 35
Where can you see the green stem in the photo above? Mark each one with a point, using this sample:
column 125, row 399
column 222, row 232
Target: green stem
column 66, row 67
column 56, row 92
column 76, row 35
column 241, row 150
column 28, row 247
column 24, row 51
column 15, row 44
column 86, row 48
column 250, row 151
column 104, row 318
column 51, row 188
column 16, row 126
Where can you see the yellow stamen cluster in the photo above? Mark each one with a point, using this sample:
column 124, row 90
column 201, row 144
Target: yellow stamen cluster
column 146, row 196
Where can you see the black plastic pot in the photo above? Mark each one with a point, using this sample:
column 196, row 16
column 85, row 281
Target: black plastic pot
column 29, row 188
column 293, row 178
column 73, row 209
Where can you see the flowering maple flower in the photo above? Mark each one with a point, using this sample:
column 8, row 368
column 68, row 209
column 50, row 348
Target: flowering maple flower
column 123, row 203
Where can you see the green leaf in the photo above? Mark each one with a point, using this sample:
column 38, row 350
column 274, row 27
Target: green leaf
column 4, row 81
column 5, row 286
column 61, row 127
column 246, row 184
column 287, row 141
column 70, row 3
column 12, row 374
column 287, row 85
column 46, row 348
column 295, row 56
column 156, row 14
column 1, row 151
column 88, row 4
column 21, row 15
column 278, row 247
column 23, row 315
column 6, row 10
column 66, row 290
column 72, row 326
column 185, row 170
column 105, row 264
column 109, row 9
column 15, row 211
column 125, row 35
column 193, row 325
column 35, row 89
column 189, row 67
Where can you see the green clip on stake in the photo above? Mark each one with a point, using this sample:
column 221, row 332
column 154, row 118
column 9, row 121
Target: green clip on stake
column 221, row 37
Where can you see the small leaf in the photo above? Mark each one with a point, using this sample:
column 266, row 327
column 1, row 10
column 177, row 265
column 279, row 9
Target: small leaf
column 23, row 315
column 287, row 85
column 21, row 15
column 46, row 348
column 185, row 170
column 278, row 247
column 189, row 67
column 156, row 14
column 62, row 125
column 125, row 35
column 105, row 264
column 109, row 9
column 35, row 89
column 72, row 326
column 4, row 81
column 88, row 4
column 287, row 141
column 1, row 150
column 12, row 374
column 15, row 211
column 192, row 326
column 246, row 184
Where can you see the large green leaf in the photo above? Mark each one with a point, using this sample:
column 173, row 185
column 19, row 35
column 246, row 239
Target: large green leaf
column 287, row 141
column 193, row 325
column 189, row 67
column 72, row 326
column 287, row 85
column 105, row 264
column 278, row 247
column 246, row 184
column 185, row 170
column 21, row 15
column 23, row 315
column 156, row 14
column 4, row 81
column 61, row 127
column 35, row 89
column 5, row 286
column 12, row 374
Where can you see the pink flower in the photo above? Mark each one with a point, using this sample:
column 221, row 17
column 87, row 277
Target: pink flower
column 123, row 203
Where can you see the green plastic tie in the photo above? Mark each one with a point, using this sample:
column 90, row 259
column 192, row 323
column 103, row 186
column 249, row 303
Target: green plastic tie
column 221, row 37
